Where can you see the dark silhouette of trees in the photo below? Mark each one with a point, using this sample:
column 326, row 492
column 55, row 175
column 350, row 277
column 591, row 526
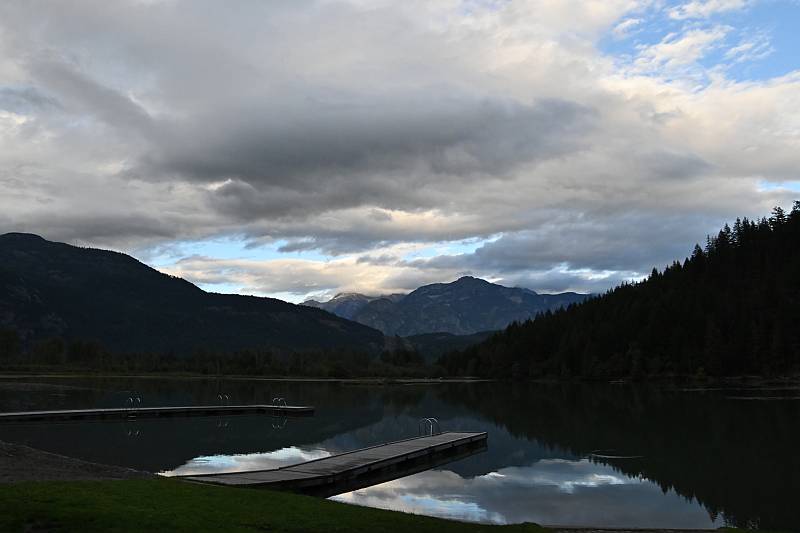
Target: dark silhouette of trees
column 91, row 357
column 729, row 309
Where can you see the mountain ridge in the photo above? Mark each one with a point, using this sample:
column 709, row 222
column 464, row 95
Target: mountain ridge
column 466, row 306
column 56, row 290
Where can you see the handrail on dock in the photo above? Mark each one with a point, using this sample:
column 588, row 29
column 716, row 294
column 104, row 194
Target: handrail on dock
column 428, row 426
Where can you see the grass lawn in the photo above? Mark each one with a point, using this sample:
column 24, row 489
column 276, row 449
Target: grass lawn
column 164, row 504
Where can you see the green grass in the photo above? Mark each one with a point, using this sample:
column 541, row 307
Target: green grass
column 171, row 505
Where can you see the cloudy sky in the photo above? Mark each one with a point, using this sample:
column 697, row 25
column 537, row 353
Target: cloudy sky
column 302, row 148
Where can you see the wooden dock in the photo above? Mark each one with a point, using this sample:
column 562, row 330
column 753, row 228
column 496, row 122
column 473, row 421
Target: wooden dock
column 155, row 412
column 357, row 469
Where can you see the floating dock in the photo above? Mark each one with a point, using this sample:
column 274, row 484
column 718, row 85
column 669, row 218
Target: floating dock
column 155, row 412
column 357, row 469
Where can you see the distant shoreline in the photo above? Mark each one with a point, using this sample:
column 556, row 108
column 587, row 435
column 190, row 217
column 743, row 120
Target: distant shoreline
column 690, row 383
column 376, row 381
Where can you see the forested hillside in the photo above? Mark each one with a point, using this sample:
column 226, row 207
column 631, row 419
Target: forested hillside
column 53, row 295
column 731, row 308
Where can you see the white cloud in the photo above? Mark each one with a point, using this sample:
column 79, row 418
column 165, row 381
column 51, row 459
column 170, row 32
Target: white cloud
column 676, row 52
column 751, row 48
column 625, row 28
column 706, row 8
column 295, row 277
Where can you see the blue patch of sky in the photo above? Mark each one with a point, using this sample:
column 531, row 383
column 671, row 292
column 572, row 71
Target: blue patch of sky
column 773, row 21
column 779, row 20
column 652, row 27
column 767, row 186
column 465, row 246
column 229, row 248
column 237, row 248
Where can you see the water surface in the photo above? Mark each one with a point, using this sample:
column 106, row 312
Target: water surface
column 582, row 455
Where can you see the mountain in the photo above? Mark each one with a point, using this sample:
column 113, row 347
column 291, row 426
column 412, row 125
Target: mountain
column 348, row 304
column 730, row 309
column 54, row 290
column 464, row 307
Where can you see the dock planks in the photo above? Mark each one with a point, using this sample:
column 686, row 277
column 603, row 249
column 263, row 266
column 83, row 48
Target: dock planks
column 154, row 412
column 359, row 468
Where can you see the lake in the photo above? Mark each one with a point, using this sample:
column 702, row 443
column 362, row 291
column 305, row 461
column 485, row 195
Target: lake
column 562, row 454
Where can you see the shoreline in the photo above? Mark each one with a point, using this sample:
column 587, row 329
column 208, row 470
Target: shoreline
column 20, row 463
column 681, row 383
column 234, row 377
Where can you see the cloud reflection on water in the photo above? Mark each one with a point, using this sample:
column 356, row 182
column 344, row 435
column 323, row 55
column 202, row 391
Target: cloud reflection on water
column 550, row 492
column 214, row 464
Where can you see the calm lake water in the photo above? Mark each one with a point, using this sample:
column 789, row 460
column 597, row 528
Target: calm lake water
column 693, row 458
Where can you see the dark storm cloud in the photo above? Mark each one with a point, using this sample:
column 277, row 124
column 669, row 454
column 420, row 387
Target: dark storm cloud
column 248, row 202
column 301, row 147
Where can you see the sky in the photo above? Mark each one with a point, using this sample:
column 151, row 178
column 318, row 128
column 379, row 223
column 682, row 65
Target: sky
column 303, row 148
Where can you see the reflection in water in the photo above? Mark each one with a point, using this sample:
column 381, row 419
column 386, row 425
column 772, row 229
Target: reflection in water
column 215, row 464
column 702, row 459
column 549, row 492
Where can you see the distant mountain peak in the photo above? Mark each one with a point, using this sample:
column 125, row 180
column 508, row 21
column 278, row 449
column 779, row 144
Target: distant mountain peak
column 349, row 295
column 343, row 304
column 470, row 280
column 465, row 306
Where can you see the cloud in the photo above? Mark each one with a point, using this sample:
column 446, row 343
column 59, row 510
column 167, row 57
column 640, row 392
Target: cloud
column 367, row 138
column 438, row 132
column 678, row 51
column 24, row 99
column 751, row 48
column 291, row 276
column 625, row 28
column 706, row 8
column 87, row 96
